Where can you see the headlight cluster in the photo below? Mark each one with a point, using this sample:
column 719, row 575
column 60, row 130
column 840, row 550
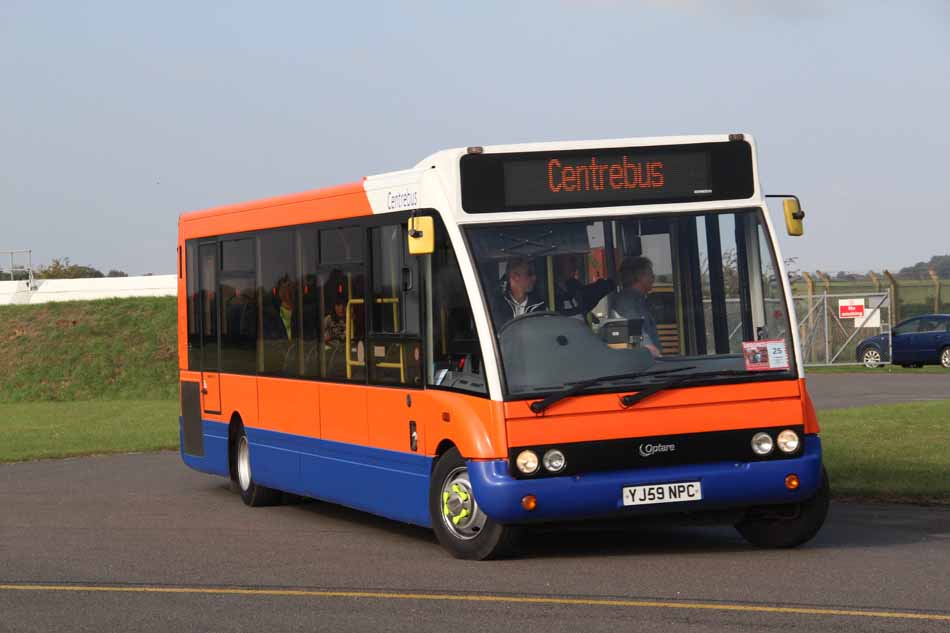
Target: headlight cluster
column 787, row 441
column 528, row 463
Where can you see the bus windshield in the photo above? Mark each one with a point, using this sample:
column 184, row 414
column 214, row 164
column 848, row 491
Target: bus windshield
column 571, row 301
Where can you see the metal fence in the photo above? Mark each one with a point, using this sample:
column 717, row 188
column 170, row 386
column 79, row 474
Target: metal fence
column 832, row 326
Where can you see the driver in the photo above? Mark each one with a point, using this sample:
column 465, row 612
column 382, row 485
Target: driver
column 516, row 297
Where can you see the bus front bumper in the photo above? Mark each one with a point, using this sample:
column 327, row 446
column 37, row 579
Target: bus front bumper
column 725, row 485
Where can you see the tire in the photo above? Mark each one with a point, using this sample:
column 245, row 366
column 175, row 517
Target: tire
column 459, row 524
column 800, row 526
column 945, row 358
column 871, row 357
column 252, row 494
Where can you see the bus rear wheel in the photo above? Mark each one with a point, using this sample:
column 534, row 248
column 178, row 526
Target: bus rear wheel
column 459, row 524
column 789, row 526
column 252, row 494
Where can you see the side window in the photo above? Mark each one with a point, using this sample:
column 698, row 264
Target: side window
column 343, row 280
column 279, row 310
column 208, row 305
column 194, row 301
column 455, row 356
column 396, row 347
column 238, row 291
column 907, row 327
column 930, row 325
column 314, row 306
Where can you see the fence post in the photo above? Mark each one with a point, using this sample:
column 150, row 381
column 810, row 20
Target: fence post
column 875, row 280
column 810, row 321
column 895, row 297
column 825, row 281
column 936, row 280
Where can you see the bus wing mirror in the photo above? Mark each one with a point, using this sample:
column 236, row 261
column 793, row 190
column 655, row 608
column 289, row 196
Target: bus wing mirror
column 794, row 217
column 421, row 235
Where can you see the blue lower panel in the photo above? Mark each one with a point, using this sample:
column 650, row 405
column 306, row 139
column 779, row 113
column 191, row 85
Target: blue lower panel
column 215, row 459
column 724, row 485
column 388, row 483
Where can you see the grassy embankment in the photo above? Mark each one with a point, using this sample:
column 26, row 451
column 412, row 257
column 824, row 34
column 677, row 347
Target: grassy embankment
column 80, row 378
column 87, row 377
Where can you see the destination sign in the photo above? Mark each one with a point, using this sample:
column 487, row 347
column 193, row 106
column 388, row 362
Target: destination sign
column 607, row 177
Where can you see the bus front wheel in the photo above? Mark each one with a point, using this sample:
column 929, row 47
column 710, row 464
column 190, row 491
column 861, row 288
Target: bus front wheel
column 788, row 526
column 459, row 524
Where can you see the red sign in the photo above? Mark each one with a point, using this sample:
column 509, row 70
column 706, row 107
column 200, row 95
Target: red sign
column 851, row 310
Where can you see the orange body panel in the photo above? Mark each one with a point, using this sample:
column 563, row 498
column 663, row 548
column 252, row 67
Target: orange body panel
column 692, row 410
column 388, row 418
column 808, row 410
column 289, row 406
column 475, row 425
column 211, row 393
column 343, row 413
column 239, row 395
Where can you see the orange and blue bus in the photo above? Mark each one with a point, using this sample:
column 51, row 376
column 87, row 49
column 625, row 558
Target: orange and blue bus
column 505, row 336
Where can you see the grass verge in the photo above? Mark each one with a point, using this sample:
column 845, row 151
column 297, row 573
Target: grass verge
column 896, row 452
column 38, row 430
column 111, row 349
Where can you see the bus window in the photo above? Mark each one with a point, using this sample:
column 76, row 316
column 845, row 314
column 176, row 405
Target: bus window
column 194, row 301
column 279, row 310
column 208, row 265
column 344, row 316
column 456, row 360
column 313, row 306
column 395, row 344
column 238, row 291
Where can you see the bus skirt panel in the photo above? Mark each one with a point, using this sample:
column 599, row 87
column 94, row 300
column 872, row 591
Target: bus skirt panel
column 724, row 485
column 389, row 483
column 214, row 457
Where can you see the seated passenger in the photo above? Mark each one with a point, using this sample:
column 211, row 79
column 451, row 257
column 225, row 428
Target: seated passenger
column 636, row 276
column 571, row 297
column 516, row 296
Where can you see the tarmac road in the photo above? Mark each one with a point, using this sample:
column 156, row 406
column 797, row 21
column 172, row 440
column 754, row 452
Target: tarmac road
column 835, row 391
column 140, row 542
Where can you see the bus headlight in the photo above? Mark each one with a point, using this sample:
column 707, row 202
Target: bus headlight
column 554, row 460
column 527, row 462
column 762, row 444
column 788, row 441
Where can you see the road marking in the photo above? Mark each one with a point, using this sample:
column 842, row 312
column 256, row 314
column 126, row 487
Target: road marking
column 382, row 595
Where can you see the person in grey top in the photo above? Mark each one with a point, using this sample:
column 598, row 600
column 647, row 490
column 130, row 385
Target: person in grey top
column 636, row 276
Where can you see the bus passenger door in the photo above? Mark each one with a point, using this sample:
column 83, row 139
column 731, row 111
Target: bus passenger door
column 209, row 310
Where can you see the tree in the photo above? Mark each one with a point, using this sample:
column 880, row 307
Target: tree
column 63, row 269
column 117, row 273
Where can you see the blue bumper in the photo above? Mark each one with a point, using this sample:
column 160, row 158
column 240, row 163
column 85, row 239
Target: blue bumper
column 724, row 485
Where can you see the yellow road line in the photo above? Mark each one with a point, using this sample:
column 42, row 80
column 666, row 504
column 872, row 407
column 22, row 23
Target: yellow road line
column 383, row 595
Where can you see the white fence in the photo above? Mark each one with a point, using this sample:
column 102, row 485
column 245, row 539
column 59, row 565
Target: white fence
column 47, row 290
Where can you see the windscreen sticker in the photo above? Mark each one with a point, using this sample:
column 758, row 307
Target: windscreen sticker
column 765, row 355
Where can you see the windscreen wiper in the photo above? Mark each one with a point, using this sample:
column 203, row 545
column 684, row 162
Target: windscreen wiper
column 631, row 399
column 539, row 406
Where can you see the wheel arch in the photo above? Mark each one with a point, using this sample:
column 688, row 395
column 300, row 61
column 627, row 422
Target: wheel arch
column 235, row 424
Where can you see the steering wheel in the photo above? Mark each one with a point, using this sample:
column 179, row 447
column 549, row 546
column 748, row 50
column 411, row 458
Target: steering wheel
column 528, row 315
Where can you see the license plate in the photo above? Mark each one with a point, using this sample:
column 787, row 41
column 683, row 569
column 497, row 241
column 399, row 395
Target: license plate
column 662, row 493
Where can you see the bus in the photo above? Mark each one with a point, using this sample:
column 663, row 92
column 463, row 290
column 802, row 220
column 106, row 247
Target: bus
column 504, row 336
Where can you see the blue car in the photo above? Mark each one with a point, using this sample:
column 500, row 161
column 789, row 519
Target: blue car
column 915, row 342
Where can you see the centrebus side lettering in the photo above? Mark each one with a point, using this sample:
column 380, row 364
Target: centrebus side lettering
column 401, row 200
column 625, row 175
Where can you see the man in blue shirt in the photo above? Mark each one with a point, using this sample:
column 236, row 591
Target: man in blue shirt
column 636, row 276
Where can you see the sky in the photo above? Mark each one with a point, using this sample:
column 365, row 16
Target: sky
column 115, row 117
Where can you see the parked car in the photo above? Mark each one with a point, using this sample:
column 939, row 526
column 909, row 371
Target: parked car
column 915, row 342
